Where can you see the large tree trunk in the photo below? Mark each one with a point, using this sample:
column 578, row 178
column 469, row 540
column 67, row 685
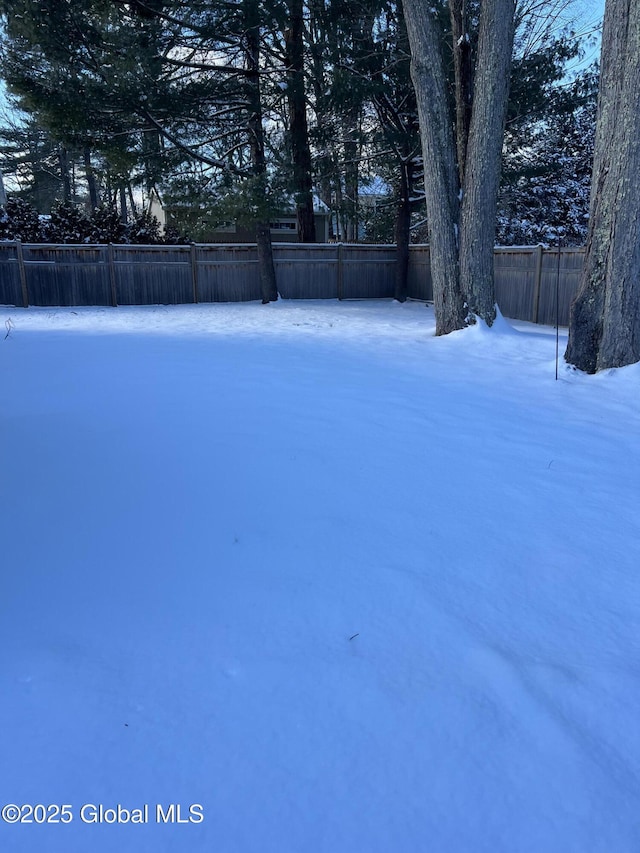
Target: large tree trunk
column 298, row 129
column 604, row 328
column 461, row 242
column 258, row 161
column 265, row 263
column 484, row 156
column 440, row 169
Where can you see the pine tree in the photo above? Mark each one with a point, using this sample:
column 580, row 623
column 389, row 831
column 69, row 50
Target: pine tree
column 547, row 173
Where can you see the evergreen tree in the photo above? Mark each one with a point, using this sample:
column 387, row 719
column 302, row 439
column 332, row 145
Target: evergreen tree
column 30, row 160
column 545, row 194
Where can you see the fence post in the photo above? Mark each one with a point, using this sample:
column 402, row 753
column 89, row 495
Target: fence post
column 537, row 282
column 340, row 272
column 194, row 271
column 112, row 275
column 23, row 274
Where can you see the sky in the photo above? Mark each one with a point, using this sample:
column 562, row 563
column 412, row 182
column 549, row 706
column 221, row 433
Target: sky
column 589, row 17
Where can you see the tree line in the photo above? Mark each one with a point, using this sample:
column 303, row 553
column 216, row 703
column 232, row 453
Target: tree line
column 236, row 109
column 161, row 94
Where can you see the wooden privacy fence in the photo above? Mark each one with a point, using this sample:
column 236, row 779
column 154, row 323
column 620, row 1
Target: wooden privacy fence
column 34, row 274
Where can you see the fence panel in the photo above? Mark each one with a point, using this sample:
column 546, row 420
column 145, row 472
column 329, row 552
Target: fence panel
column 419, row 285
column 227, row 273
column 67, row 274
column 307, row 271
column 567, row 280
column 517, row 279
column 367, row 271
column 152, row 275
column 10, row 283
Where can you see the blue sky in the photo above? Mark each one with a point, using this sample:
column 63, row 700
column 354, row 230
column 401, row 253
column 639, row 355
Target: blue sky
column 585, row 18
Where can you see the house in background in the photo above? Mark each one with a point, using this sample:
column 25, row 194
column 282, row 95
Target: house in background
column 283, row 230
column 199, row 224
column 283, row 227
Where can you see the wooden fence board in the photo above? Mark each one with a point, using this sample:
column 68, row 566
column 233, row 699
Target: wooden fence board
column 153, row 275
column 515, row 282
column 419, row 284
column 66, row 274
column 307, row 271
column 571, row 261
column 228, row 273
column 368, row 271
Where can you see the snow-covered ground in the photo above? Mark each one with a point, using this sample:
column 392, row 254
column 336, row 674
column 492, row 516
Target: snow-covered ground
column 349, row 587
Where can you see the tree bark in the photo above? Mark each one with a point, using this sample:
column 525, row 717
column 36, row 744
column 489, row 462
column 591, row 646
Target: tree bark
column 604, row 328
column 461, row 240
column 132, row 202
column 484, row 156
column 298, row 128
column 440, row 168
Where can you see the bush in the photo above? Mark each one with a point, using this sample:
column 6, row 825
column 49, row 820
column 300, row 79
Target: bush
column 20, row 221
column 69, row 224
column 106, row 226
column 145, row 228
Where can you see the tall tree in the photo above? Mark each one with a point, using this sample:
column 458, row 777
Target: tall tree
column 604, row 328
column 298, row 126
column 462, row 213
column 385, row 62
column 29, row 158
column 251, row 48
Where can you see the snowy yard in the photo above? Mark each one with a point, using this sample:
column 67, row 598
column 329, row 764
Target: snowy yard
column 349, row 587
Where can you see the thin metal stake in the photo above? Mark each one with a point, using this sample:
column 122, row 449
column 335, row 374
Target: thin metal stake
column 558, row 309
